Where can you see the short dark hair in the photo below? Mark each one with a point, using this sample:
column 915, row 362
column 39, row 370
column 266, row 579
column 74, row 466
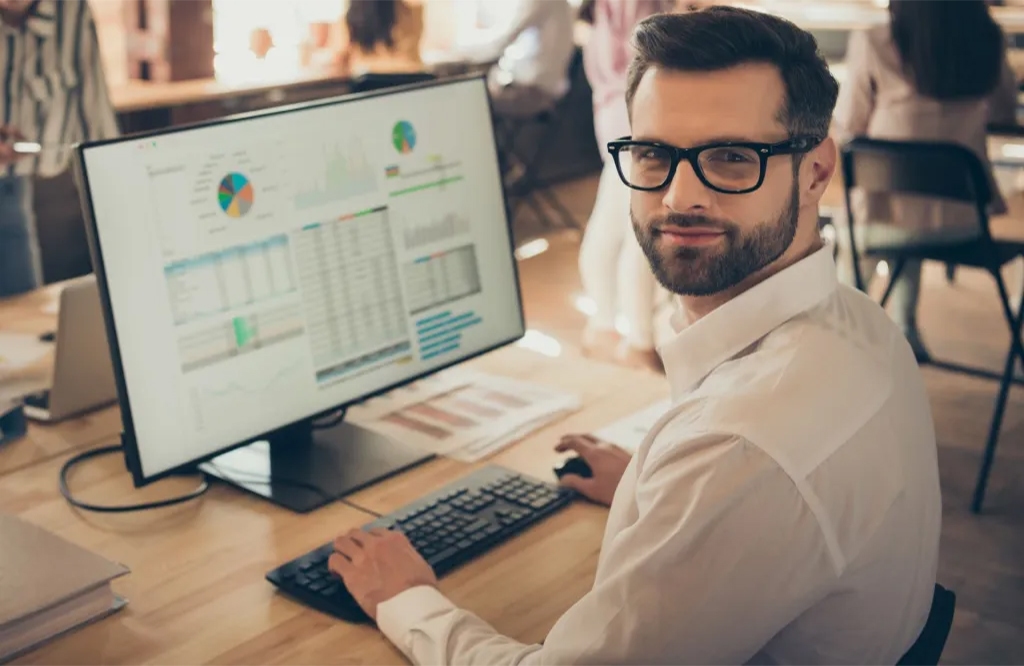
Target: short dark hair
column 950, row 50
column 720, row 37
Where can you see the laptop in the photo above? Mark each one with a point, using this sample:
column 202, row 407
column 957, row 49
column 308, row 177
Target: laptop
column 83, row 376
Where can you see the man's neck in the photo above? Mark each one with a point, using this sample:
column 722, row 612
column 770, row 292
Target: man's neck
column 696, row 307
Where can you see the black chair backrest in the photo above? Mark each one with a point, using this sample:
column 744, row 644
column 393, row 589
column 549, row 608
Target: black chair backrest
column 944, row 170
column 371, row 81
column 938, row 170
column 927, row 649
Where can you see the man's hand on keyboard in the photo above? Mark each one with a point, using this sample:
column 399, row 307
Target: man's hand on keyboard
column 607, row 464
column 378, row 565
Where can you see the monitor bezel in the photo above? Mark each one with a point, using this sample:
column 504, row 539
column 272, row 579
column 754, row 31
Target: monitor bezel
column 132, row 455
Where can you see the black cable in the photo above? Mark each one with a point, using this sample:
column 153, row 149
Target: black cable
column 99, row 508
column 330, row 422
column 65, row 491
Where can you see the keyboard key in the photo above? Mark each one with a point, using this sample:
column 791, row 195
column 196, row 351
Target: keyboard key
column 318, row 585
column 442, row 556
column 465, row 543
column 330, row 590
column 301, row 580
column 475, row 526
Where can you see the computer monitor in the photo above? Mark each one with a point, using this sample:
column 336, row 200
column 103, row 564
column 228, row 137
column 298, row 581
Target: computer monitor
column 260, row 271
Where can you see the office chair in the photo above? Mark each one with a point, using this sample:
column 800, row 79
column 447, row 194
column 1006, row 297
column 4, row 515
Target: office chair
column 944, row 171
column 370, row 81
column 528, row 189
column 928, row 647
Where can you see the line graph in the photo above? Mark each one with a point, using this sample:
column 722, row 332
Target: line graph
column 218, row 401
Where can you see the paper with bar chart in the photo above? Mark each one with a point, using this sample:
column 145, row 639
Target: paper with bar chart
column 352, row 293
column 463, row 414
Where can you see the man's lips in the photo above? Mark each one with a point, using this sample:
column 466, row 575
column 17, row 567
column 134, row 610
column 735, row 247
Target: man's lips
column 691, row 236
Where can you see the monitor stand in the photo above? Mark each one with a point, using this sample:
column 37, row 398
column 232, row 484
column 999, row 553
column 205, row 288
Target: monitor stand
column 302, row 468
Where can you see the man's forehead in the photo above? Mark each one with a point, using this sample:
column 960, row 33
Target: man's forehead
column 686, row 107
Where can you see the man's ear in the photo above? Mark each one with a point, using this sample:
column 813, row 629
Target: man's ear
column 818, row 170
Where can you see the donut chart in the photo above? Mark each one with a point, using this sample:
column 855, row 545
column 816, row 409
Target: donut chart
column 235, row 195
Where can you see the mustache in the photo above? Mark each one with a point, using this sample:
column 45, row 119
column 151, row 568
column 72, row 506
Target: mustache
column 691, row 221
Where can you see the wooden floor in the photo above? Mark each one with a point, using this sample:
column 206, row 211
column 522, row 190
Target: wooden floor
column 982, row 557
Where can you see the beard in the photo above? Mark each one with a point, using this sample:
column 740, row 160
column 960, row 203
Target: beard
column 703, row 271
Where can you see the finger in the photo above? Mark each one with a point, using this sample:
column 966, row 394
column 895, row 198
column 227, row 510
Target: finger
column 359, row 537
column 339, row 565
column 574, row 443
column 348, row 548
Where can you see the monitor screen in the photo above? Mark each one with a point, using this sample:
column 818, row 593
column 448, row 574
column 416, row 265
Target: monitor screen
column 265, row 269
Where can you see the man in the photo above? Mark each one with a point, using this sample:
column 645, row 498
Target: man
column 531, row 44
column 787, row 509
column 53, row 92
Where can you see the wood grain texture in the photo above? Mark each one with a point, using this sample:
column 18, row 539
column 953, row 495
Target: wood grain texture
column 197, row 592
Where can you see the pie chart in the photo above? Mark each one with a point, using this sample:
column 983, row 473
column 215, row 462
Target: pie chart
column 235, row 195
column 403, row 135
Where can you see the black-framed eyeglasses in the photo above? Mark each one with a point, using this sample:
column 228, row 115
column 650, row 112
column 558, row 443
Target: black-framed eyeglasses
column 730, row 167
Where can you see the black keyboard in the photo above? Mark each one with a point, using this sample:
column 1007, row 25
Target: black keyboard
column 449, row 527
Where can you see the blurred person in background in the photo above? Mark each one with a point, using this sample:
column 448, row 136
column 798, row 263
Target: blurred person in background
column 530, row 44
column 613, row 268
column 53, row 93
column 380, row 29
column 938, row 71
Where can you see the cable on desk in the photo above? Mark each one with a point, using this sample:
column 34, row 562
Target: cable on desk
column 248, row 477
column 99, row 508
column 331, row 420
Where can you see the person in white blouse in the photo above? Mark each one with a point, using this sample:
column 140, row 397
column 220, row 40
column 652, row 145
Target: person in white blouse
column 787, row 507
column 529, row 42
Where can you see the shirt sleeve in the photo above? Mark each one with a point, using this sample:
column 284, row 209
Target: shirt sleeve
column 856, row 101
column 97, row 111
column 723, row 555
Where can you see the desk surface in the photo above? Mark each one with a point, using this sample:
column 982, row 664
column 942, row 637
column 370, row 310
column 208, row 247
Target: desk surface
column 197, row 593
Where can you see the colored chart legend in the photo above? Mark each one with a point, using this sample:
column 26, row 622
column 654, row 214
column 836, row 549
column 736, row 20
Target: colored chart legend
column 235, row 195
column 403, row 136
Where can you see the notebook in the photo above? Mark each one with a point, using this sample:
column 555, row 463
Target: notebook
column 48, row 586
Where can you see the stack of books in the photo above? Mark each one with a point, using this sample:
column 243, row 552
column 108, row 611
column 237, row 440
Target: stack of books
column 48, row 586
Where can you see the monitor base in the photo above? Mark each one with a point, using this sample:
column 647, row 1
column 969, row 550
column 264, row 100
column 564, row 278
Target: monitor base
column 301, row 468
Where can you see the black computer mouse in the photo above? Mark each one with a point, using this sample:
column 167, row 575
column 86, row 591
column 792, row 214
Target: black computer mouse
column 575, row 465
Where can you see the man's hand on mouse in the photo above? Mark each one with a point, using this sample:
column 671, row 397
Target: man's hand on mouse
column 607, row 464
column 378, row 565
column 8, row 135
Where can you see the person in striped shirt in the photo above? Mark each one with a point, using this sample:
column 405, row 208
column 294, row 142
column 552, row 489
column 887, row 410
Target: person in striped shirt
column 52, row 92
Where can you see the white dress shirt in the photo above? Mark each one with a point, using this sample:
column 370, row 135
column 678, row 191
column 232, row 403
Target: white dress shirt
column 785, row 510
column 532, row 41
column 53, row 89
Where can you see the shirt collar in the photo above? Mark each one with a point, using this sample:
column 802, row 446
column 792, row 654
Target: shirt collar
column 41, row 19
column 699, row 348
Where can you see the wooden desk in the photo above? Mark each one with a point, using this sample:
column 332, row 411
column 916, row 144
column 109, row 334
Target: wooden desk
column 197, row 592
column 33, row 313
